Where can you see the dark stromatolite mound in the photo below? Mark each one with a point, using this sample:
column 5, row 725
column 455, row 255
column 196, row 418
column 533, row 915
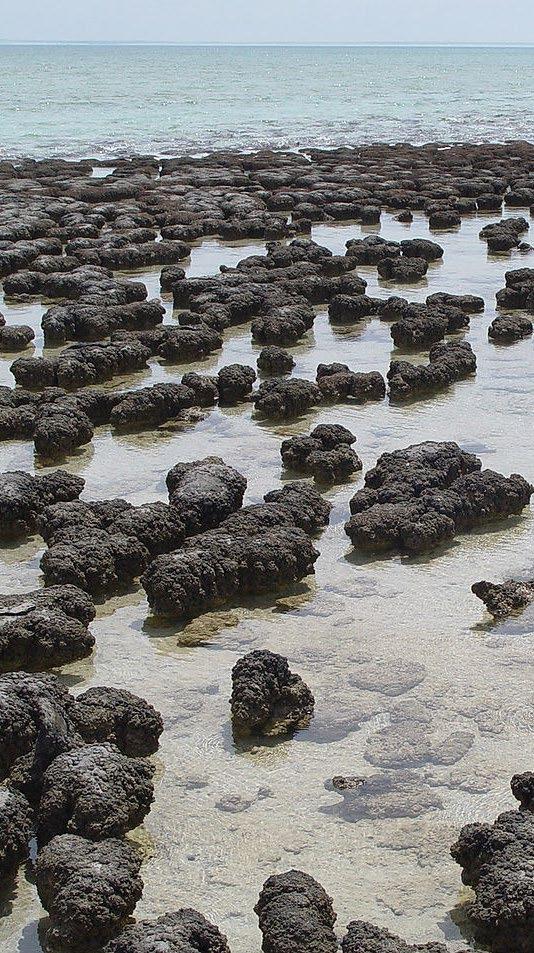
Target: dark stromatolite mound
column 267, row 698
column 363, row 937
column 115, row 715
column 214, row 567
column 443, row 218
column 23, row 497
column 45, row 628
column 89, row 890
column 16, row 827
column 421, row 248
column 295, row 913
column 497, row 861
column 510, row 327
column 151, row 405
column 204, row 492
column 417, row 498
column 471, row 304
column 279, row 397
column 448, row 363
column 519, row 290
column 502, row 599
column 234, row 383
column 337, row 383
column 351, row 308
column 15, row 337
column 274, row 360
column 61, row 428
column 504, row 235
column 89, row 322
column 522, row 786
column 326, row 453
column 403, row 270
column 371, row 250
column 94, row 791
column 309, row 511
column 96, row 561
column 283, row 326
column 82, row 364
column 420, row 325
column 204, row 387
column 185, row 931
column 22, row 697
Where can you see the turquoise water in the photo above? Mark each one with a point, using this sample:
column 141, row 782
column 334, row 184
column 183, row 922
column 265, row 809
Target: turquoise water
column 110, row 100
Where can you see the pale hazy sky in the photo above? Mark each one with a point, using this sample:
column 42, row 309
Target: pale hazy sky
column 270, row 21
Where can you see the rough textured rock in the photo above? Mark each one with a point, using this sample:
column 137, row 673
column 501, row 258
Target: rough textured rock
column 45, row 628
column 274, row 360
column 497, row 862
column 362, row 937
column 309, row 511
column 326, row 453
column 184, row 931
column 95, row 560
column 403, row 270
column 94, row 791
column 89, row 890
column 502, row 599
column 417, row 498
column 204, row 492
column 267, row 698
column 23, row 497
column 447, row 363
column 234, row 383
column 117, row 716
column 337, row 382
column 510, row 327
column 16, row 827
column 295, row 912
column 151, row 405
column 279, row 397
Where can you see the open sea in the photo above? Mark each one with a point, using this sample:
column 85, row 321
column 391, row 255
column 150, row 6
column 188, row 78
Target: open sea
column 105, row 101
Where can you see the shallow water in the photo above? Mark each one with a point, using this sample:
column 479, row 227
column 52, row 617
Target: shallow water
column 372, row 638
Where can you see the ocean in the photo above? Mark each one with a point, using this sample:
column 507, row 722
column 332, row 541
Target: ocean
column 106, row 101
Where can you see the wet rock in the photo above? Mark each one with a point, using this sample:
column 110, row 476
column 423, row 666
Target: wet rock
column 274, row 360
column 337, row 382
column 94, row 791
column 294, row 910
column 267, row 698
column 117, row 716
column 421, row 248
column 504, row 235
column 403, row 270
column 15, row 337
column 23, row 497
column 448, row 363
column 420, row 326
column 510, row 327
column 418, row 498
column 81, row 364
column 522, row 786
column 234, row 383
column 61, row 428
column 279, row 397
column 471, row 304
column 89, row 890
column 95, row 560
column 444, row 218
column 309, row 511
column 85, row 322
column 503, row 599
column 24, row 701
column 213, row 568
column 406, row 217
column 283, row 326
column 204, row 492
column 16, row 827
column 363, row 937
column 45, row 628
column 351, row 308
column 326, row 453
column 151, row 405
column 184, row 931
column 496, row 861
column 371, row 250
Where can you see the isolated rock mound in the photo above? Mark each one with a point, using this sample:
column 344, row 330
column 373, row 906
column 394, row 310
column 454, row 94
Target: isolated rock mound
column 45, row 628
column 88, row 890
column 497, row 862
column 417, row 498
column 295, row 912
column 503, row 599
column 266, row 697
column 326, row 453
column 279, row 397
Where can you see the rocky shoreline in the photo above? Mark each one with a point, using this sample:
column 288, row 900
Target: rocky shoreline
column 77, row 767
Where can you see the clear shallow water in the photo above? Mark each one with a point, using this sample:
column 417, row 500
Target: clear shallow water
column 111, row 100
column 350, row 631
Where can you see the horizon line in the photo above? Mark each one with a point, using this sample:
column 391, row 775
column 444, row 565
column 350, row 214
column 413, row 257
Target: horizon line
column 281, row 45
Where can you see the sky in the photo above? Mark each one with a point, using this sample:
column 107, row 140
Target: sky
column 269, row 21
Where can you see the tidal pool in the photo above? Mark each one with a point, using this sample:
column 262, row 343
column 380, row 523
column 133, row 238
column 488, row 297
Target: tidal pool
column 410, row 678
